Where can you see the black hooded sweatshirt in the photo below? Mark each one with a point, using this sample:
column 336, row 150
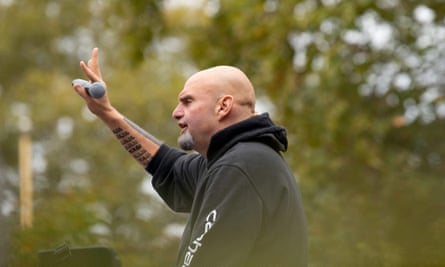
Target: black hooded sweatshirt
column 244, row 203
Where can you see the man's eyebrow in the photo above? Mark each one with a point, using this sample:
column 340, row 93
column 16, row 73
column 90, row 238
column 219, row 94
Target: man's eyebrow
column 185, row 98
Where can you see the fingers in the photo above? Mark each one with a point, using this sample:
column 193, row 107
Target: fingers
column 92, row 68
column 92, row 72
column 80, row 90
column 93, row 63
column 92, row 76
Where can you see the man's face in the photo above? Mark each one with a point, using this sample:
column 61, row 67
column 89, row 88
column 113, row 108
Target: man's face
column 196, row 115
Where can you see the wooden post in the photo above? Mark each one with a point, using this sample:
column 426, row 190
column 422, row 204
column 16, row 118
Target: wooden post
column 26, row 183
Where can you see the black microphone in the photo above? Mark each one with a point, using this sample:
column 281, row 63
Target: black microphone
column 96, row 89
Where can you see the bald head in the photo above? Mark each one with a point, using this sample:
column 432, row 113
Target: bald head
column 227, row 80
column 210, row 101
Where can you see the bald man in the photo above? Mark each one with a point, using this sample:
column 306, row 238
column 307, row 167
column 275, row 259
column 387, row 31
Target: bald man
column 245, row 206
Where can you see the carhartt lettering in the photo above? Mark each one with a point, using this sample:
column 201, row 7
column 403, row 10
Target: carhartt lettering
column 196, row 244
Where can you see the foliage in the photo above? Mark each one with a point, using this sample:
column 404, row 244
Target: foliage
column 356, row 83
column 357, row 86
column 87, row 191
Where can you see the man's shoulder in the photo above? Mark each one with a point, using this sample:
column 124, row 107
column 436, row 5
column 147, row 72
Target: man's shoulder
column 251, row 151
column 251, row 157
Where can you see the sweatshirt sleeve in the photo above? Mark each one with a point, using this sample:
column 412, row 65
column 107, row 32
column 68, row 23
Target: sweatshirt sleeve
column 175, row 175
column 228, row 222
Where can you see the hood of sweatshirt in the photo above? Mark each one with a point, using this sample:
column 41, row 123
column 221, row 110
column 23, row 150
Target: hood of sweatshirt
column 259, row 128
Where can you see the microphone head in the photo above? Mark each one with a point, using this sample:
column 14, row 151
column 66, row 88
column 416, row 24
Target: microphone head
column 96, row 89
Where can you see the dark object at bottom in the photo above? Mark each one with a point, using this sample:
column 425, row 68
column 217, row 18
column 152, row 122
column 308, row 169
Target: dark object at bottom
column 64, row 256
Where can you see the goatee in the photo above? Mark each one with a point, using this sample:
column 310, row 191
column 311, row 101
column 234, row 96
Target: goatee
column 185, row 141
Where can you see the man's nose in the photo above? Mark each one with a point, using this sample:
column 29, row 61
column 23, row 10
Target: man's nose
column 177, row 113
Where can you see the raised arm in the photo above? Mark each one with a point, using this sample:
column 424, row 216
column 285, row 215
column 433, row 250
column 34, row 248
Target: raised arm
column 140, row 144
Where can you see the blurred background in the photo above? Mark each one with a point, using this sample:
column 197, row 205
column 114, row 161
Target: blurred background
column 359, row 85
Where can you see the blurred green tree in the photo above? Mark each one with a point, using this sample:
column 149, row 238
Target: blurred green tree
column 358, row 86
column 87, row 191
column 356, row 83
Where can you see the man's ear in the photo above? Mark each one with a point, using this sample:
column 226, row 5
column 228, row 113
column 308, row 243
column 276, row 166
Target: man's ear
column 224, row 106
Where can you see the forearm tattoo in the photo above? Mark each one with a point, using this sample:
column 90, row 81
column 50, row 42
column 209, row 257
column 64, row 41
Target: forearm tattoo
column 133, row 147
column 142, row 131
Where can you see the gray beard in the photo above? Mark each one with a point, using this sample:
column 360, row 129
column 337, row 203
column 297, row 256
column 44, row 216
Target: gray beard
column 185, row 141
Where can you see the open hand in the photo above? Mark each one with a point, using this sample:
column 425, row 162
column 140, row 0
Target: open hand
column 92, row 71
